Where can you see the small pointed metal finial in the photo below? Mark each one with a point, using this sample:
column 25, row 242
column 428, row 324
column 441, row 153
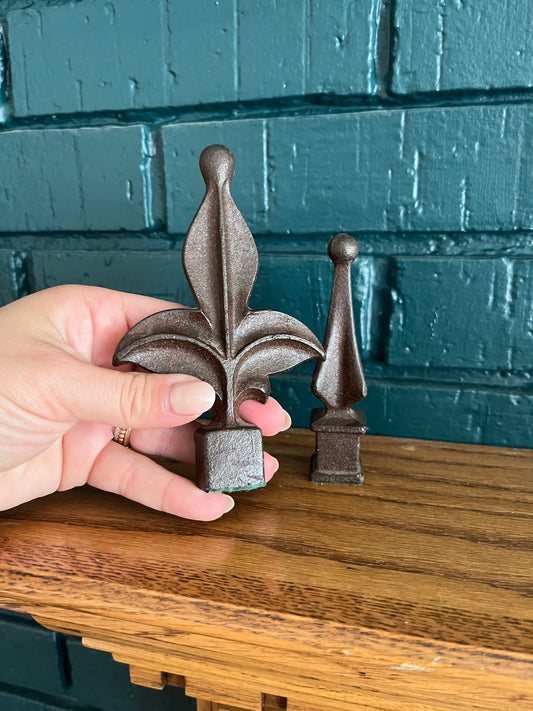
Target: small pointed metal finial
column 339, row 380
column 222, row 341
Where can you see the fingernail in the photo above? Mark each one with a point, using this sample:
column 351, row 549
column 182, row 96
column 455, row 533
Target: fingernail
column 271, row 465
column 192, row 397
column 230, row 503
column 288, row 422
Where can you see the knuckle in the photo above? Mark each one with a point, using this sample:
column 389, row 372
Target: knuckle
column 136, row 398
column 127, row 482
column 167, row 503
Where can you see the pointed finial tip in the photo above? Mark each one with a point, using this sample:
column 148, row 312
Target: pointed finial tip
column 343, row 248
column 217, row 163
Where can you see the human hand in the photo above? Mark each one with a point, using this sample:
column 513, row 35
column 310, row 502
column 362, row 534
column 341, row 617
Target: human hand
column 60, row 397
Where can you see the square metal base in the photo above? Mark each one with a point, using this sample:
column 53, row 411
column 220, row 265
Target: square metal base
column 229, row 459
column 336, row 459
column 330, row 474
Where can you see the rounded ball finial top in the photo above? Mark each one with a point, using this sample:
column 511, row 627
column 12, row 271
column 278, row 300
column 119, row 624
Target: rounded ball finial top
column 217, row 163
column 343, row 248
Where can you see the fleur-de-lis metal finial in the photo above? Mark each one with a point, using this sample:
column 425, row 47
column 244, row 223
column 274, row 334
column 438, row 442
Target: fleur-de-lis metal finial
column 339, row 380
column 222, row 341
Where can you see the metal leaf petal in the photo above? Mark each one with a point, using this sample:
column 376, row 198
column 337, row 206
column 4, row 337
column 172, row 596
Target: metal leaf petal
column 173, row 353
column 219, row 254
column 186, row 322
column 270, row 355
column 259, row 324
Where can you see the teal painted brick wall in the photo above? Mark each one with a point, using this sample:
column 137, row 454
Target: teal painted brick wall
column 12, row 276
column 153, row 273
column 453, row 169
column 101, row 56
column 462, row 44
column 496, row 329
column 406, row 122
column 99, row 179
column 4, row 90
column 18, row 636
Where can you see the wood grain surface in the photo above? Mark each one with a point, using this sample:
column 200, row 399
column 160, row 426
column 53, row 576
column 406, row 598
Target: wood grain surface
column 412, row 591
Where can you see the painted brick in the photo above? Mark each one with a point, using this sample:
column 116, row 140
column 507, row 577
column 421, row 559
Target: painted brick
column 428, row 410
column 466, row 44
column 10, row 701
column 76, row 179
column 114, row 692
column 87, row 56
column 448, row 169
column 342, row 46
column 157, row 274
column 456, row 414
column 463, row 313
column 280, row 46
column 200, row 56
column 454, row 169
column 306, row 48
column 9, row 276
column 124, row 54
column 21, row 639
column 4, row 90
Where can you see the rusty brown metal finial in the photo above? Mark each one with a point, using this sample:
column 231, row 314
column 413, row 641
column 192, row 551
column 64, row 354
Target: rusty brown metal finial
column 339, row 380
column 222, row 341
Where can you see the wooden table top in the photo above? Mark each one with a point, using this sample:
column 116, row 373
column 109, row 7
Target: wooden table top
column 430, row 557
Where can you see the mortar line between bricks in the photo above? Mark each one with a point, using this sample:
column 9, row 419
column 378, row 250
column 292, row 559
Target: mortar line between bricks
column 6, row 101
column 383, row 46
column 429, row 382
column 415, row 245
column 392, row 46
column 296, row 106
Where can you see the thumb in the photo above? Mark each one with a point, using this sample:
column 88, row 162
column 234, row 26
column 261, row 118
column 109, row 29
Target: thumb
column 121, row 399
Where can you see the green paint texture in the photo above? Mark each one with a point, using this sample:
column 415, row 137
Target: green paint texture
column 75, row 179
column 4, row 75
column 152, row 274
column 99, row 55
column 447, row 45
column 11, row 276
column 17, row 636
column 406, row 122
column 452, row 169
column 475, row 312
